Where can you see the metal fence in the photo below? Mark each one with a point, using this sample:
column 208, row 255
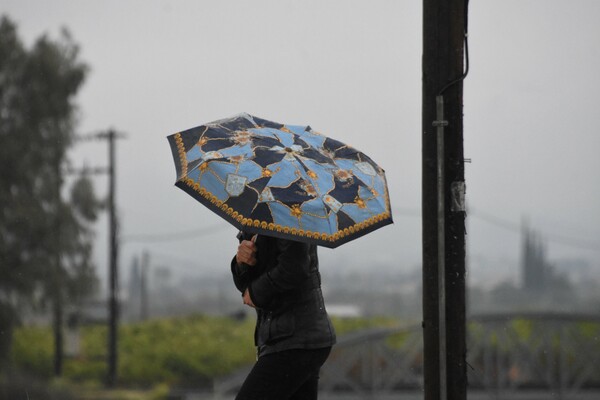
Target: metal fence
column 510, row 356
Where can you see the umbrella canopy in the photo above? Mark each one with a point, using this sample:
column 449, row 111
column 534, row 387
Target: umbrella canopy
column 281, row 180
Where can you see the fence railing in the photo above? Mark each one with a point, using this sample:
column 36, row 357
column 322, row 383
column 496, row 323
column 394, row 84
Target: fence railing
column 510, row 356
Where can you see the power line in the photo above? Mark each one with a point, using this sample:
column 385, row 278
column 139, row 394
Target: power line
column 174, row 236
column 100, row 135
column 499, row 222
column 405, row 211
column 514, row 227
column 195, row 233
column 409, row 212
column 183, row 263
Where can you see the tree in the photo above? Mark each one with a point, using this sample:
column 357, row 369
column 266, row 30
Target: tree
column 45, row 240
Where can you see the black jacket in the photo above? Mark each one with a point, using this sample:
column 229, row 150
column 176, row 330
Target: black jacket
column 285, row 287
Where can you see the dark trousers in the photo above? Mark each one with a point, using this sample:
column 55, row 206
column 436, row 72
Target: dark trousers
column 286, row 375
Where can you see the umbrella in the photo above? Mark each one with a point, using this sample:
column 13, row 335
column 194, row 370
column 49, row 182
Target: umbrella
column 280, row 180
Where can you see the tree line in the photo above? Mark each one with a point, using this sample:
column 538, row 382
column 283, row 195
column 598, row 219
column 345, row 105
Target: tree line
column 45, row 225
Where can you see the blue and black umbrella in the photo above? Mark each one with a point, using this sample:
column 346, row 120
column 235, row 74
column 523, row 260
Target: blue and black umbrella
column 281, row 180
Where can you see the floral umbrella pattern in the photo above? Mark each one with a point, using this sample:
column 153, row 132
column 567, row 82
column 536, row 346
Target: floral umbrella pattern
column 281, row 180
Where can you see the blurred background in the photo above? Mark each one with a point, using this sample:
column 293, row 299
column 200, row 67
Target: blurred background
column 72, row 72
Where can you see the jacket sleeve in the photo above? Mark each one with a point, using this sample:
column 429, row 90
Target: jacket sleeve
column 241, row 273
column 241, row 277
column 290, row 272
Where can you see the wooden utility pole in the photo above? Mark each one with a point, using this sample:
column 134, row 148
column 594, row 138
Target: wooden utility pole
column 113, row 234
column 113, row 305
column 57, row 295
column 444, row 324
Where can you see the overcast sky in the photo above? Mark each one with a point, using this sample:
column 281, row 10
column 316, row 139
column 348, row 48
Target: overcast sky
column 352, row 70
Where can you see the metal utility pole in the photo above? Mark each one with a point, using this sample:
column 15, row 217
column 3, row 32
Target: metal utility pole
column 444, row 321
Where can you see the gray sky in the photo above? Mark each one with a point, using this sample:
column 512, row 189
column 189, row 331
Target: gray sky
column 350, row 69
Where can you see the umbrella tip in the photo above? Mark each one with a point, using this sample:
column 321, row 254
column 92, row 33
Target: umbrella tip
column 248, row 117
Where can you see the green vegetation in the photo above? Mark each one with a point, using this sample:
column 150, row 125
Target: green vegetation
column 347, row 325
column 546, row 344
column 189, row 351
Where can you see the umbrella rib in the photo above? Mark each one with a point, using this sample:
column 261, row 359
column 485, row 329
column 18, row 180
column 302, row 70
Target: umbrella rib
column 317, row 189
column 201, row 163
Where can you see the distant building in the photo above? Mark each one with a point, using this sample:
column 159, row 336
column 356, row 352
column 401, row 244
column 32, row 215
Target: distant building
column 537, row 273
column 541, row 278
column 135, row 307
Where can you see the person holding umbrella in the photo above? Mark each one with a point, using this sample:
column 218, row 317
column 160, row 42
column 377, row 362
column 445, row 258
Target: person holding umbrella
column 288, row 189
column 294, row 335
